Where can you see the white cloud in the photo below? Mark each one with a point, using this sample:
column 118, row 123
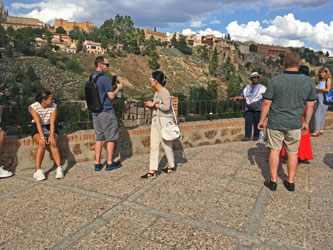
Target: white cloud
column 285, row 31
column 205, row 32
column 196, row 24
column 147, row 12
column 215, row 22
column 187, row 32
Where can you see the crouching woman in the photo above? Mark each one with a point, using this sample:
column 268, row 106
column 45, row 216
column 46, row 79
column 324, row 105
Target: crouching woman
column 44, row 131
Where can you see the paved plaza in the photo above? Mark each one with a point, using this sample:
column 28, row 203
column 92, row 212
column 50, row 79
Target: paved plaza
column 215, row 200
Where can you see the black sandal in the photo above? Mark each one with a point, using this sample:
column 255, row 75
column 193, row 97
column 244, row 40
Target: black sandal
column 149, row 175
column 169, row 170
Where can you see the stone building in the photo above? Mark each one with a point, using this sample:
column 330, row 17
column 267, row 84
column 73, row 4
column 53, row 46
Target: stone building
column 271, row 50
column 18, row 22
column 62, row 38
column 68, row 26
column 155, row 34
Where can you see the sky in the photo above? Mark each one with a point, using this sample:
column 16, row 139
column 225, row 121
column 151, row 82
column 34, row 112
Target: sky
column 295, row 23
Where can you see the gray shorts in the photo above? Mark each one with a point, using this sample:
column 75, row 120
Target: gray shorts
column 106, row 126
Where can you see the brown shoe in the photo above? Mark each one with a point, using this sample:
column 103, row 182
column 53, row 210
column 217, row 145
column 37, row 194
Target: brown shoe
column 315, row 134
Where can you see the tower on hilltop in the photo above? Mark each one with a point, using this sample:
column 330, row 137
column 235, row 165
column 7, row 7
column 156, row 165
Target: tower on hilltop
column 3, row 11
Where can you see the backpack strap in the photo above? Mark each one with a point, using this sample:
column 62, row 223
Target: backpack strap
column 95, row 83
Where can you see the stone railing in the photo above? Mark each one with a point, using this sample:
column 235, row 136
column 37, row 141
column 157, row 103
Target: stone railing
column 19, row 154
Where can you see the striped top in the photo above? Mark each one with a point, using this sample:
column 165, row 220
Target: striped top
column 44, row 114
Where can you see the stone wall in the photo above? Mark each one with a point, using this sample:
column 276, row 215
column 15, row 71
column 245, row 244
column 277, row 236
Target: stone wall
column 19, row 154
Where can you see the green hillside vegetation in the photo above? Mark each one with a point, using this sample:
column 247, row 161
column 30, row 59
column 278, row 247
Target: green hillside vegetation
column 200, row 73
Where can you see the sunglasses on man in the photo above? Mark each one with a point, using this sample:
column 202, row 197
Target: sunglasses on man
column 106, row 64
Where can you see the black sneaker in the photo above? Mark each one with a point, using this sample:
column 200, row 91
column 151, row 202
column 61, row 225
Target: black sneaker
column 114, row 165
column 255, row 139
column 289, row 186
column 246, row 139
column 98, row 167
column 271, row 185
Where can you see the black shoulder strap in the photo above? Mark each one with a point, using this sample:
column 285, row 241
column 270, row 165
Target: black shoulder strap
column 95, row 81
column 97, row 76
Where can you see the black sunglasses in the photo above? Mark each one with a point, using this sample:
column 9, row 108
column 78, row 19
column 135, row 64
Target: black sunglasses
column 106, row 64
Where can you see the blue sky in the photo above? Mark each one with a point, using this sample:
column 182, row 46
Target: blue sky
column 282, row 22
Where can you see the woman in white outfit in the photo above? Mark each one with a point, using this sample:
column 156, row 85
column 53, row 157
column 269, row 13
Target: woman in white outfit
column 44, row 131
column 162, row 114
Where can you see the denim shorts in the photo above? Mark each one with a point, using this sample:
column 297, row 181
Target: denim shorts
column 106, row 126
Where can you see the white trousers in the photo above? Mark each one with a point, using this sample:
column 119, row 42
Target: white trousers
column 156, row 140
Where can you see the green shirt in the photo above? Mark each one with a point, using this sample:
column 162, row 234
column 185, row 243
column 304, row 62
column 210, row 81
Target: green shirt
column 289, row 93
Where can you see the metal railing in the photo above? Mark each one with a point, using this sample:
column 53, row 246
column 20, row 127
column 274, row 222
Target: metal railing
column 73, row 116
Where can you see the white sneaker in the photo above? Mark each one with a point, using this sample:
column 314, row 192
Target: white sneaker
column 39, row 175
column 4, row 173
column 60, row 173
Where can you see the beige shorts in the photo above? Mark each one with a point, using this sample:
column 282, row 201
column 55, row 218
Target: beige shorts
column 290, row 138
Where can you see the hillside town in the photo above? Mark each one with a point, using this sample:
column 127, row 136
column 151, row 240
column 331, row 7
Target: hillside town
column 64, row 43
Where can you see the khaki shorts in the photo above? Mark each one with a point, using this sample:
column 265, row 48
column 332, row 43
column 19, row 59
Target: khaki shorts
column 290, row 138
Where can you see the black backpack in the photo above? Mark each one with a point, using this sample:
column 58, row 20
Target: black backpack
column 92, row 96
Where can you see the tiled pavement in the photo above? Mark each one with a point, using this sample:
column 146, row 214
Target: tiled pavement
column 215, row 200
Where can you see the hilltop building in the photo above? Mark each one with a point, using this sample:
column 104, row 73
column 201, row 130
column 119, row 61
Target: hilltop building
column 68, row 26
column 18, row 22
column 91, row 47
column 155, row 34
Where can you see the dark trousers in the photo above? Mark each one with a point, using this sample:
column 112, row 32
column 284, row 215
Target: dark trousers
column 252, row 119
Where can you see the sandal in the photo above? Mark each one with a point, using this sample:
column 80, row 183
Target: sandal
column 149, row 175
column 169, row 170
column 321, row 132
column 315, row 134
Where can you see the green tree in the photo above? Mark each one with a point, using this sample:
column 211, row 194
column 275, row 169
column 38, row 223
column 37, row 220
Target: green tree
column 31, row 74
column 253, row 48
column 61, row 30
column 4, row 39
column 9, row 51
column 76, row 34
column 213, row 64
column 153, row 60
column 174, row 41
column 183, row 47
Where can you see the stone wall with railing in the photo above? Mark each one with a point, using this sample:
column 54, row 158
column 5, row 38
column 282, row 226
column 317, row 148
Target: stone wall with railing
column 19, row 154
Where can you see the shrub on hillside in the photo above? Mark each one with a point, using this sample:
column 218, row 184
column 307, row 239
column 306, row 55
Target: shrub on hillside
column 74, row 66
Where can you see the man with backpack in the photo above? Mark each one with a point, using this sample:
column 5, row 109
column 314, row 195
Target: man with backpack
column 104, row 119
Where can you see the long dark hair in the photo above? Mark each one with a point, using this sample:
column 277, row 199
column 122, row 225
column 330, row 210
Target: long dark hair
column 160, row 77
column 43, row 95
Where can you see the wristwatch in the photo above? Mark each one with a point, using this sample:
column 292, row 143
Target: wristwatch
column 154, row 105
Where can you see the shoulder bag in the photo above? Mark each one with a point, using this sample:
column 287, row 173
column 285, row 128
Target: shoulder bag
column 171, row 130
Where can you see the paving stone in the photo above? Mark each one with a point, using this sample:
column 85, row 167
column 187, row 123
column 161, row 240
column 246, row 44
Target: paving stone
column 11, row 184
column 104, row 237
column 216, row 200
column 319, row 240
column 29, row 241
column 8, row 232
column 132, row 221
column 287, row 233
column 321, row 203
column 203, row 239
column 167, row 232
